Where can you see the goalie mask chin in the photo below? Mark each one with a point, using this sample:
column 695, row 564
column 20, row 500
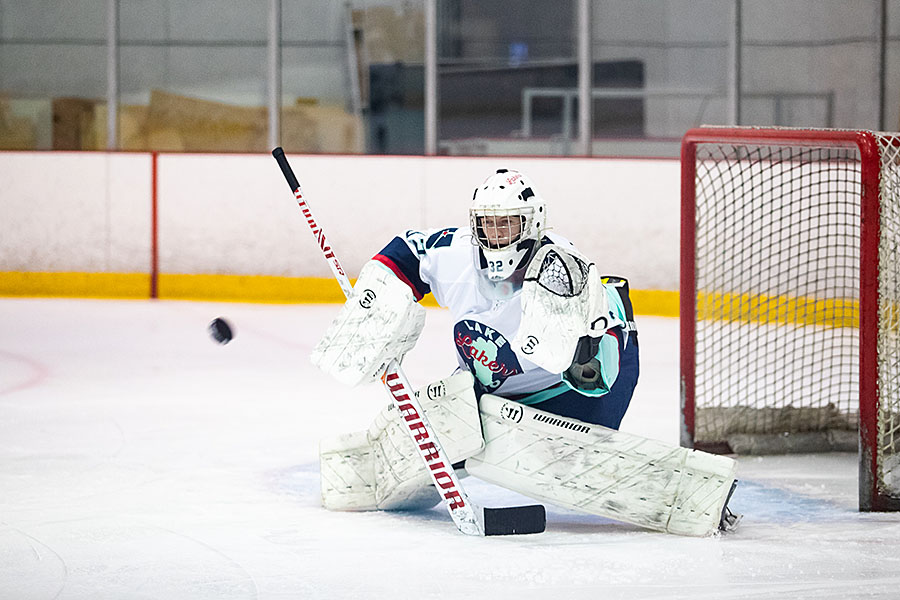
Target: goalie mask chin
column 507, row 219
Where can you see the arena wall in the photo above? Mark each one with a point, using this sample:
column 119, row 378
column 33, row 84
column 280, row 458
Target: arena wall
column 227, row 227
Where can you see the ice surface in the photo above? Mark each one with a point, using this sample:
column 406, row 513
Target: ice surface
column 139, row 459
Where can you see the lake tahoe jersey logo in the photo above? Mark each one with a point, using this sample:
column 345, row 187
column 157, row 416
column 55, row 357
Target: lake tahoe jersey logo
column 486, row 352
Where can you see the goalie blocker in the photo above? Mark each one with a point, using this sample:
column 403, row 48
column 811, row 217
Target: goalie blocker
column 559, row 460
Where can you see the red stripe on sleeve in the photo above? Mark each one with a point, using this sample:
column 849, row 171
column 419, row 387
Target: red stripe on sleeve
column 396, row 271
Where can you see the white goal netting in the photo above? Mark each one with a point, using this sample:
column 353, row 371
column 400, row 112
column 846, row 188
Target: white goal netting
column 780, row 316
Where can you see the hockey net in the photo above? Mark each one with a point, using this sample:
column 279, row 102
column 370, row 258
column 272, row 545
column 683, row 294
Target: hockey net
column 790, row 293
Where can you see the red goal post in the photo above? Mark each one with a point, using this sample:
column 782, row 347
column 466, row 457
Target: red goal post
column 790, row 296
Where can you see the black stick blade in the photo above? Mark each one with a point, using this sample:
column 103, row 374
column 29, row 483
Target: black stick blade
column 515, row 520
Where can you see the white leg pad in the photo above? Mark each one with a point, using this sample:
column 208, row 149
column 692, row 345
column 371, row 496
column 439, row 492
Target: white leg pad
column 347, row 472
column 381, row 468
column 601, row 471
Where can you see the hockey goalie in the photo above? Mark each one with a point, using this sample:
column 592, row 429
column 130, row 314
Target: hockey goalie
column 548, row 361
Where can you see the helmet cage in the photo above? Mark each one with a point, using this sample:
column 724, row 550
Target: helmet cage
column 501, row 228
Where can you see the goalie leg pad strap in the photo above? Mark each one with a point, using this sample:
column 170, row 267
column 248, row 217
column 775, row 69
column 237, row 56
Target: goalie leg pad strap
column 381, row 468
column 601, row 471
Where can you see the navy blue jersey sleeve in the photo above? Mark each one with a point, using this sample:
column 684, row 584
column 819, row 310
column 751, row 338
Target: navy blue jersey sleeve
column 402, row 256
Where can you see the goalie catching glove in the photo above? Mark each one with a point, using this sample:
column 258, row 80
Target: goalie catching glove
column 380, row 321
column 565, row 308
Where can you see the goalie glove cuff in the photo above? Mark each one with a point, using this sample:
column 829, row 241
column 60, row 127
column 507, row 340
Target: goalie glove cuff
column 585, row 374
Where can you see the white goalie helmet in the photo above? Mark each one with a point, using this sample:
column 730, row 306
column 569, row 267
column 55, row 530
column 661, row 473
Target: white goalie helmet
column 508, row 217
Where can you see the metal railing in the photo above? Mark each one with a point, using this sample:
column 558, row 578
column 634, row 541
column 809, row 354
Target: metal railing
column 569, row 95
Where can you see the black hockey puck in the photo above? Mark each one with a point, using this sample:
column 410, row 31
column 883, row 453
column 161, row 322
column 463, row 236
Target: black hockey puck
column 220, row 330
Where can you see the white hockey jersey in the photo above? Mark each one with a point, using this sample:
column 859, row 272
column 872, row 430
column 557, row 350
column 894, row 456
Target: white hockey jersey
column 487, row 314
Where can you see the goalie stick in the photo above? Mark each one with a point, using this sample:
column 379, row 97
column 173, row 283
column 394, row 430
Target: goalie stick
column 469, row 518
